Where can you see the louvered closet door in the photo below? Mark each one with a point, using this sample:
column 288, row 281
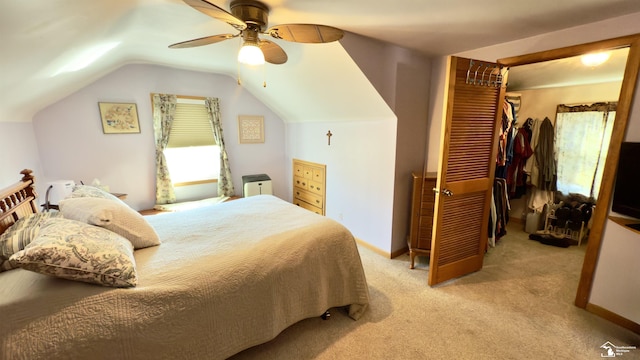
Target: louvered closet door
column 467, row 164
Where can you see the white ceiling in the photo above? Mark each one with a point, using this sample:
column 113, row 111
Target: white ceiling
column 567, row 72
column 53, row 48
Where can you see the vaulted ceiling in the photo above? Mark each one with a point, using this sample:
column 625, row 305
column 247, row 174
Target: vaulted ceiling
column 53, row 48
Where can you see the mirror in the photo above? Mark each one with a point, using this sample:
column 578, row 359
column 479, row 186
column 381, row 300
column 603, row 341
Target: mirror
column 538, row 89
column 625, row 101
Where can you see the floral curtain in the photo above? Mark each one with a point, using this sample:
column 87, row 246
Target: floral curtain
column 164, row 109
column 225, row 183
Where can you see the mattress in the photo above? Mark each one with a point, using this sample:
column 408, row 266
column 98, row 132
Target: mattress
column 226, row 277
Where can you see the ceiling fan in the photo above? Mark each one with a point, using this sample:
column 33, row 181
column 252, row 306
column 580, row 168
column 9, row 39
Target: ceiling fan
column 250, row 18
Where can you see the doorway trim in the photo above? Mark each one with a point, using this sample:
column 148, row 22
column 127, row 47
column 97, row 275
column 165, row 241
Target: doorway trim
column 625, row 102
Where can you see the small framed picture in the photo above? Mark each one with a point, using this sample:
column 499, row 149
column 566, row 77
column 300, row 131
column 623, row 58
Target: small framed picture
column 250, row 129
column 119, row 118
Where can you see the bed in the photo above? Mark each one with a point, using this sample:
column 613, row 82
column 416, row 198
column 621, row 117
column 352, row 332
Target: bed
column 224, row 278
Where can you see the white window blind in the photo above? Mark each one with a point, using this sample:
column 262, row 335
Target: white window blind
column 191, row 126
column 192, row 154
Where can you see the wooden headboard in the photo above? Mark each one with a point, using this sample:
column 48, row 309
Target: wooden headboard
column 18, row 200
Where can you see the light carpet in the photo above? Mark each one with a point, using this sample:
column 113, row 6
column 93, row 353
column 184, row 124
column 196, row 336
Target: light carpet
column 519, row 306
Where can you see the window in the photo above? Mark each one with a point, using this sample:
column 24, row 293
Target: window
column 193, row 164
column 192, row 154
column 582, row 141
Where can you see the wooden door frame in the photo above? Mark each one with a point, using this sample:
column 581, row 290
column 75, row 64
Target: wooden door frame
column 625, row 102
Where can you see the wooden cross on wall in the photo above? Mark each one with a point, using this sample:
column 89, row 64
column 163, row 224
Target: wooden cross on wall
column 329, row 135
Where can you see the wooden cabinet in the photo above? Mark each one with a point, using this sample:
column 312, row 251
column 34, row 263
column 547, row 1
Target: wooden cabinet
column 422, row 203
column 309, row 180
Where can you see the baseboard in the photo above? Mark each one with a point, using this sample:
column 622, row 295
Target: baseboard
column 613, row 317
column 373, row 248
column 399, row 252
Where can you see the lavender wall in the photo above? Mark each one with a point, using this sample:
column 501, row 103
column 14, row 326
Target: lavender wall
column 18, row 151
column 360, row 162
column 404, row 86
column 72, row 145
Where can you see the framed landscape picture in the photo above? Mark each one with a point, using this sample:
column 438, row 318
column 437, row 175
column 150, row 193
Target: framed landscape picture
column 250, row 129
column 119, row 118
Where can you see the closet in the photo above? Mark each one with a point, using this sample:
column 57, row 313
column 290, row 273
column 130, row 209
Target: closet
column 469, row 105
column 531, row 171
column 626, row 98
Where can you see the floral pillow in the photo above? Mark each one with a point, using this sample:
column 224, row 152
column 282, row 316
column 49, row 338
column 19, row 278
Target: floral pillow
column 111, row 215
column 19, row 235
column 91, row 191
column 77, row 251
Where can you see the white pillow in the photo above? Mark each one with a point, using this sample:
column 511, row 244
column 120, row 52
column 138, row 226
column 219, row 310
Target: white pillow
column 19, row 235
column 91, row 191
column 111, row 215
column 77, row 251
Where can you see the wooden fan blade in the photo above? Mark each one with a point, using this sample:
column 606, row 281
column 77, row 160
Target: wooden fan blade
column 202, row 41
column 306, row 33
column 217, row 13
column 273, row 53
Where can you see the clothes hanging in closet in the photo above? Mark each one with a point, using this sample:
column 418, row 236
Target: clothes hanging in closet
column 505, row 141
column 538, row 197
column 500, row 207
column 545, row 157
column 516, row 176
column 531, row 167
column 499, row 211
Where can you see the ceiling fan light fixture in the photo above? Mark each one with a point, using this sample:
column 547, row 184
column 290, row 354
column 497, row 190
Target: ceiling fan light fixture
column 595, row 59
column 250, row 54
column 250, row 18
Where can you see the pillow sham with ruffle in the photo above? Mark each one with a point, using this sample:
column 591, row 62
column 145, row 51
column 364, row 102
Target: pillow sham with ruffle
column 19, row 235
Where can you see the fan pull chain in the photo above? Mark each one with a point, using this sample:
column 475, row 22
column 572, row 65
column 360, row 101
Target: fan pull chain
column 238, row 69
column 238, row 64
column 264, row 74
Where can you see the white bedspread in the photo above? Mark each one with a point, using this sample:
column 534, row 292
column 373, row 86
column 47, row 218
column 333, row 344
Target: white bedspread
column 226, row 277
